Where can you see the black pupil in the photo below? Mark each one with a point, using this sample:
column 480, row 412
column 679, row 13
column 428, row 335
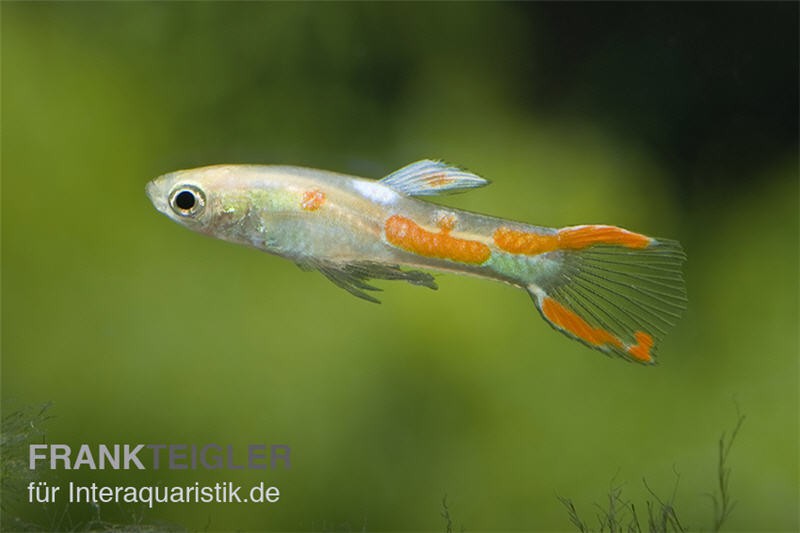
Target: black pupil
column 185, row 200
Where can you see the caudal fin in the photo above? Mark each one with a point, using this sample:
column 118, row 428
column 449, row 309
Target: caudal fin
column 615, row 291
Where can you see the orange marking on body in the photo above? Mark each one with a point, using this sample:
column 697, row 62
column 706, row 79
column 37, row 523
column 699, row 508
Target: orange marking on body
column 312, row 200
column 641, row 350
column 410, row 236
column 571, row 322
column 529, row 243
column 523, row 242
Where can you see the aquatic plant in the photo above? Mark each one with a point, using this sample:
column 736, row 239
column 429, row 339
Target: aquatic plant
column 621, row 515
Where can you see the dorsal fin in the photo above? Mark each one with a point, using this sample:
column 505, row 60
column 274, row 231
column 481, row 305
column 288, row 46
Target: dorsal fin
column 429, row 178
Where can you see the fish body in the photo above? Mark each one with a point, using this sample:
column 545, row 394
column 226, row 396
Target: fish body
column 614, row 290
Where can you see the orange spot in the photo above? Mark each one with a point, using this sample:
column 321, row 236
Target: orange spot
column 446, row 222
column 571, row 322
column 312, row 200
column 523, row 242
column 641, row 350
column 408, row 235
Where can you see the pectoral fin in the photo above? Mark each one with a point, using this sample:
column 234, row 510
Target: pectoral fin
column 355, row 277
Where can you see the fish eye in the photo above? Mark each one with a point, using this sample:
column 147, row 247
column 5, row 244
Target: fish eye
column 187, row 200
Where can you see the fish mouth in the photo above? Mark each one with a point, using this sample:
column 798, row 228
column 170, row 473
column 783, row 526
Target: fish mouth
column 155, row 195
column 150, row 190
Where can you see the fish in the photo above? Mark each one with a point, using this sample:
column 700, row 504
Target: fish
column 614, row 290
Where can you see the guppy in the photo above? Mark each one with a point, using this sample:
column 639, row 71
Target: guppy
column 612, row 289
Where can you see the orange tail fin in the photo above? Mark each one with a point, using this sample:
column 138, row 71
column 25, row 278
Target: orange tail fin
column 616, row 291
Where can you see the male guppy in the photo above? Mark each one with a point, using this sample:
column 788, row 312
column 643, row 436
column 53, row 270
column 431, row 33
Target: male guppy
column 612, row 289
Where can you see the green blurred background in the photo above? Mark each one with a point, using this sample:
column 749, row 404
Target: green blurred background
column 677, row 120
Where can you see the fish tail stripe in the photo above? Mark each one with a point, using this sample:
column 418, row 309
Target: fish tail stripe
column 571, row 238
column 578, row 237
column 571, row 322
column 575, row 326
column 641, row 350
column 411, row 237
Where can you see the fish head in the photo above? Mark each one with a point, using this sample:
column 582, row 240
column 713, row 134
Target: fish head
column 210, row 200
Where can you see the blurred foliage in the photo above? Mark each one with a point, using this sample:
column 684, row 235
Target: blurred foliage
column 672, row 119
column 19, row 429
